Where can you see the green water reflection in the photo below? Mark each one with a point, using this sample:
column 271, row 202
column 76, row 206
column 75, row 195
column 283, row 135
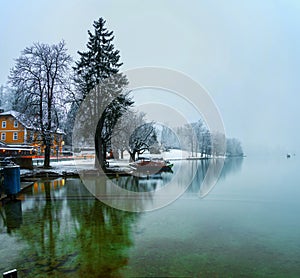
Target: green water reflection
column 66, row 232
column 243, row 228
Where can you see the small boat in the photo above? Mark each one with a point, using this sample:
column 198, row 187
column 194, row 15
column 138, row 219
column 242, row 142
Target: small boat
column 153, row 165
column 288, row 155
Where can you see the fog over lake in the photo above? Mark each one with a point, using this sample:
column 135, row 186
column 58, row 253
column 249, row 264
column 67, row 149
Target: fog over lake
column 245, row 53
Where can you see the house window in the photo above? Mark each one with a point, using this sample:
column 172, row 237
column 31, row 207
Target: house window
column 15, row 123
column 3, row 136
column 15, row 135
column 3, row 124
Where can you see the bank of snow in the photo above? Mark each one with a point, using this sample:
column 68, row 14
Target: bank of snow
column 73, row 166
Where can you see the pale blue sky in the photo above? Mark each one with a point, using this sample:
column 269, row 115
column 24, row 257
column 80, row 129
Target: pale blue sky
column 246, row 53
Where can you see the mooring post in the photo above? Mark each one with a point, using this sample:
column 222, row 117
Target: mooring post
column 11, row 274
column 11, row 173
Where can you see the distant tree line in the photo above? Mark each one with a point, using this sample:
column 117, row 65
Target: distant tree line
column 199, row 141
column 234, row 147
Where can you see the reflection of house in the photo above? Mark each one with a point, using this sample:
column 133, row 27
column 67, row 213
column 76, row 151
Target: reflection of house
column 15, row 130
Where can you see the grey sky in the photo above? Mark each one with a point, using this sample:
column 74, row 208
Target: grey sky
column 245, row 53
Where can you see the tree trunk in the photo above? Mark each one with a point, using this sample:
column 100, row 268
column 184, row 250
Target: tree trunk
column 100, row 147
column 100, row 153
column 97, row 152
column 47, row 156
column 132, row 156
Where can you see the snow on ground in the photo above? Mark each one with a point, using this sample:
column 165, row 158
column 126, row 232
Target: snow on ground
column 173, row 154
column 60, row 166
column 75, row 165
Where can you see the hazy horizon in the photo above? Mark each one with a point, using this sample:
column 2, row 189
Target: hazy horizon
column 246, row 54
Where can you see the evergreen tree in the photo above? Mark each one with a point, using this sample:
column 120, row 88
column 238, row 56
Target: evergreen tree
column 98, row 70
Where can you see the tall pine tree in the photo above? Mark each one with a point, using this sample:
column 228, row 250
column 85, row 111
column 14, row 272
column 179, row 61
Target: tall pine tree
column 98, row 70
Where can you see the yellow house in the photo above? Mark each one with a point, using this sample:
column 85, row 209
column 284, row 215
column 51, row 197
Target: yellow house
column 14, row 131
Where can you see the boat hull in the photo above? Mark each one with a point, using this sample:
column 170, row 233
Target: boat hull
column 151, row 166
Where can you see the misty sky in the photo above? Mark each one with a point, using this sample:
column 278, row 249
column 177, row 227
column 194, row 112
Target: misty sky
column 245, row 53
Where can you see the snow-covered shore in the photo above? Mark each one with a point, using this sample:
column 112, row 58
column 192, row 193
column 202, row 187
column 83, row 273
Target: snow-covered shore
column 73, row 166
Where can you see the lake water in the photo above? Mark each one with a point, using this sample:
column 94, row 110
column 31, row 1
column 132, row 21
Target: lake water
column 247, row 226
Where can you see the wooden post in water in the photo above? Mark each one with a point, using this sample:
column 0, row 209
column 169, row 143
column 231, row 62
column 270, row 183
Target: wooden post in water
column 11, row 274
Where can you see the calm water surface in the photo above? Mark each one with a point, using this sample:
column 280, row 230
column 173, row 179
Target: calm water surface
column 248, row 225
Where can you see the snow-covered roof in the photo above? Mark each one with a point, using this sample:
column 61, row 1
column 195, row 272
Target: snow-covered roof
column 24, row 120
column 18, row 116
column 10, row 112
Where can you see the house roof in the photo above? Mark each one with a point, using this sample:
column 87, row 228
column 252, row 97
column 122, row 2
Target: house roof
column 10, row 112
column 24, row 121
column 19, row 116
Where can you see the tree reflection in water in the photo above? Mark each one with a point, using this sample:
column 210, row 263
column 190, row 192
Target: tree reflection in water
column 64, row 231
column 12, row 215
column 199, row 169
column 68, row 231
column 103, row 235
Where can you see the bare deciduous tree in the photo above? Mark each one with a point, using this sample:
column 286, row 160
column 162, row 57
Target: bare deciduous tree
column 134, row 134
column 40, row 79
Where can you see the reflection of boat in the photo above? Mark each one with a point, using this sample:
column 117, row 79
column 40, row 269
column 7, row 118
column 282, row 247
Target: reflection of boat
column 155, row 176
column 151, row 164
